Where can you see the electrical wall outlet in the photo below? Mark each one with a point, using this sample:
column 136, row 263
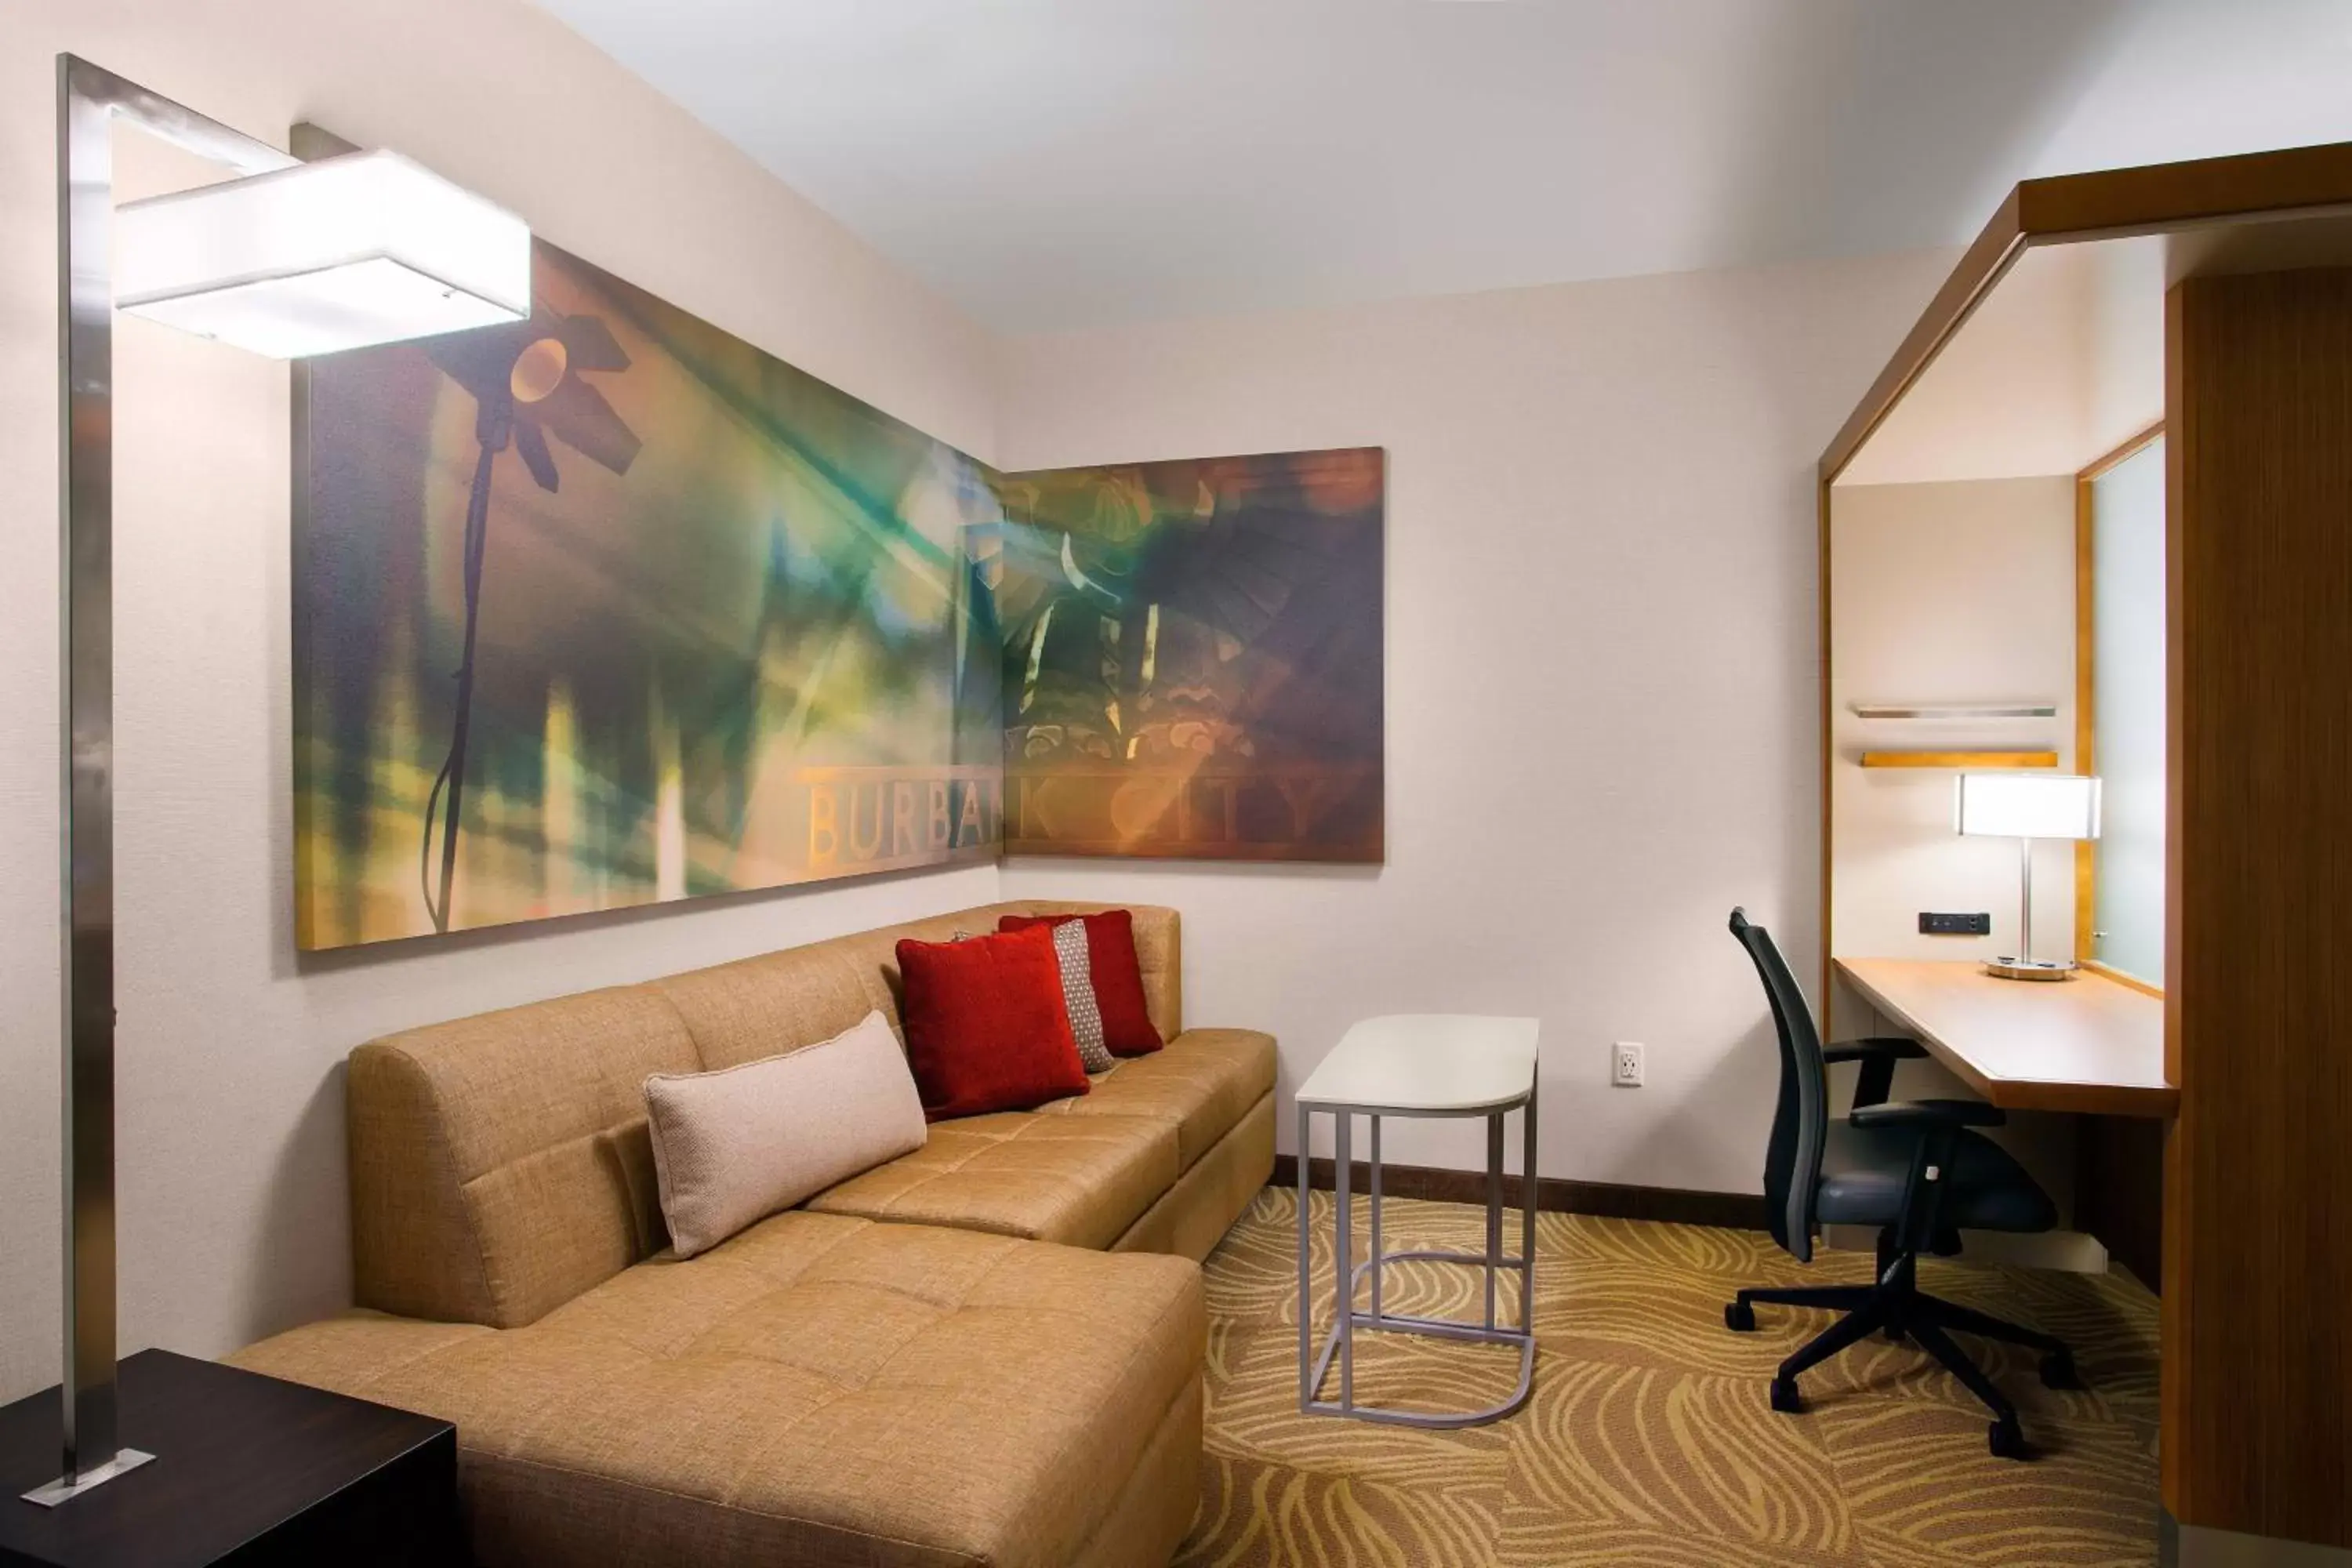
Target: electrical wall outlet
column 1625, row 1065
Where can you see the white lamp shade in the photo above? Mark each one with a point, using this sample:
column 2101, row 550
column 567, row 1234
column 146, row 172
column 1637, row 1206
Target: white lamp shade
column 2028, row 805
column 365, row 248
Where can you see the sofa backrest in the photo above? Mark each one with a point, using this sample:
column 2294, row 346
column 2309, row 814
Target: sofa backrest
column 499, row 1163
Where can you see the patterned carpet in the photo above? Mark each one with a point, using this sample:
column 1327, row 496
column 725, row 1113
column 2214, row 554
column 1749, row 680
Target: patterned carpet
column 1648, row 1439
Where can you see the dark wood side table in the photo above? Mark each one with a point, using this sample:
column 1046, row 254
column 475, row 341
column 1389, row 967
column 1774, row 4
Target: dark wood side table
column 249, row 1471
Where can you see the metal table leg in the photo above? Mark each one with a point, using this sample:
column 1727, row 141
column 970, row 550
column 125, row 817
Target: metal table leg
column 1340, row 1343
column 1343, row 1277
column 1529, row 1184
column 1305, row 1271
column 1494, row 1208
column 1376, row 1220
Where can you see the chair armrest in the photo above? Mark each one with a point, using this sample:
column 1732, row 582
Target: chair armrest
column 1942, row 1115
column 1877, row 1054
column 1873, row 1047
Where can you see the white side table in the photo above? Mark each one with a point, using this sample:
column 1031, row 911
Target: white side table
column 1417, row 1065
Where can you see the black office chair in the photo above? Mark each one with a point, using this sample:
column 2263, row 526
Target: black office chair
column 1912, row 1169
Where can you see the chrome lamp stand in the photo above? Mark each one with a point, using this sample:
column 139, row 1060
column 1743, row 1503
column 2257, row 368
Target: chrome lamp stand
column 89, row 99
column 2024, row 966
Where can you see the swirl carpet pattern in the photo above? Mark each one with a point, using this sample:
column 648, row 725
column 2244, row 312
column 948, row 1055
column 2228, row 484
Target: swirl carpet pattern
column 1648, row 1439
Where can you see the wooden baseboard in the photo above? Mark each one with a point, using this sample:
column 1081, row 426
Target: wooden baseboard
column 1609, row 1200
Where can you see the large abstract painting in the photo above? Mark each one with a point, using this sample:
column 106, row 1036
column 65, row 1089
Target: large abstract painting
column 610, row 607
column 1193, row 658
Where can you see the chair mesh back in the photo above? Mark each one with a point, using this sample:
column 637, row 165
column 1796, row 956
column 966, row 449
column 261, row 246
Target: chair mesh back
column 1792, row 1161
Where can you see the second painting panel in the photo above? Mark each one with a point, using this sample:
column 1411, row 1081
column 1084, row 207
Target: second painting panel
column 1193, row 658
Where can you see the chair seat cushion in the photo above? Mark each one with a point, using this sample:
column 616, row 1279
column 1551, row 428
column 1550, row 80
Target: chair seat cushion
column 1863, row 1171
column 817, row 1390
column 1080, row 1181
column 1202, row 1084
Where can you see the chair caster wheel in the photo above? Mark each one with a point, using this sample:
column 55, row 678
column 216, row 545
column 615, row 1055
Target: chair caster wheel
column 1739, row 1318
column 2006, row 1438
column 1785, row 1397
column 2058, row 1370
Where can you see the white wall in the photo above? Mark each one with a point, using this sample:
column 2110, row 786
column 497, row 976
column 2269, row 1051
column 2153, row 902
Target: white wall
column 231, row 1168
column 1960, row 592
column 1602, row 668
column 1955, row 592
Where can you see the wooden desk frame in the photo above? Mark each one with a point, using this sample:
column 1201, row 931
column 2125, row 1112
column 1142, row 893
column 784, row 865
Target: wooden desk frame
column 2257, row 1353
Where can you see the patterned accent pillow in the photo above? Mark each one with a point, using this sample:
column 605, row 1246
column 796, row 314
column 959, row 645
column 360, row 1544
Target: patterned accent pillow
column 1078, row 996
column 1116, row 974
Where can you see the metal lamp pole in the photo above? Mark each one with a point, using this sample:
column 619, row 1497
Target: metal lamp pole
column 89, row 99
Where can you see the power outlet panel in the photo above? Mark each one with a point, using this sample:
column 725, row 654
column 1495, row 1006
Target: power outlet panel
column 1625, row 1065
column 1954, row 924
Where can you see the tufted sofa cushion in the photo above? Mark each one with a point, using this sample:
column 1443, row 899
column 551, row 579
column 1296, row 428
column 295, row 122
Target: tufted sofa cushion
column 1201, row 1085
column 817, row 1390
column 1015, row 1174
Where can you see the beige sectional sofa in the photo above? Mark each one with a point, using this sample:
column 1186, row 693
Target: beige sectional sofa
column 934, row 1363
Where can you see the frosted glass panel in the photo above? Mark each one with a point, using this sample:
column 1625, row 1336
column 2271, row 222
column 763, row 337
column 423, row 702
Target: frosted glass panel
column 2127, row 672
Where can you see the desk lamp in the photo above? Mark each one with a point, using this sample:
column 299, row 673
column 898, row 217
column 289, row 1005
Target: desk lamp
column 287, row 259
column 2027, row 806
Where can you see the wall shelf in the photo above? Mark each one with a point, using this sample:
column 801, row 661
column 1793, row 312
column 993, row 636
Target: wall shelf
column 1959, row 759
column 1954, row 709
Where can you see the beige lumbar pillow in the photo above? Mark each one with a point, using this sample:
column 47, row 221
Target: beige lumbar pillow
column 737, row 1145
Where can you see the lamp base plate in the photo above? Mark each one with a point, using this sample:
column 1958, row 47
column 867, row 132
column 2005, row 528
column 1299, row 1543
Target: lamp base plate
column 67, row 1487
column 2030, row 969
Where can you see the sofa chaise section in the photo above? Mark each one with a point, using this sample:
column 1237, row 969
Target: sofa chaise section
column 817, row 1390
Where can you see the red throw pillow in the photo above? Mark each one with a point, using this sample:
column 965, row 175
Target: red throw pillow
column 1118, row 975
column 986, row 1026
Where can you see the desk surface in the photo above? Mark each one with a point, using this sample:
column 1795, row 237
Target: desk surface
column 2083, row 1045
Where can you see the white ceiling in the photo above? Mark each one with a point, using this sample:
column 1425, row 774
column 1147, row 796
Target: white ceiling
column 1053, row 163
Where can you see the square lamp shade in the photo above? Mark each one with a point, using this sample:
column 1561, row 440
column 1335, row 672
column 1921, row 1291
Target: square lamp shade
column 2028, row 805
column 365, row 248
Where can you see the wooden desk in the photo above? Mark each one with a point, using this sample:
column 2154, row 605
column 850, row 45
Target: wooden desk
column 2083, row 1045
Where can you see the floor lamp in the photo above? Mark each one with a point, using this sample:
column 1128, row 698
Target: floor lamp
column 285, row 259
